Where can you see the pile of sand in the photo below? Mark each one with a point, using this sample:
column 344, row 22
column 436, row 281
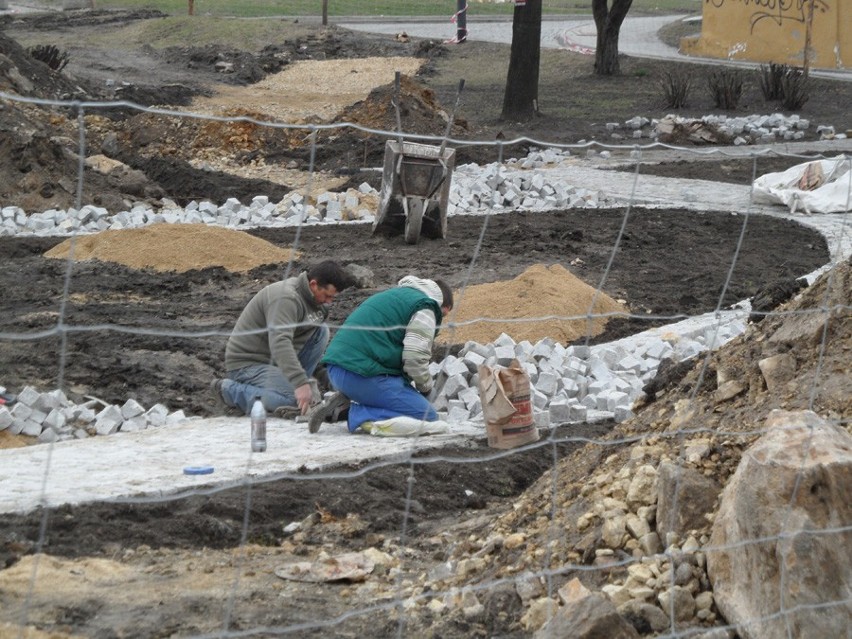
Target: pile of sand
column 175, row 247
column 539, row 292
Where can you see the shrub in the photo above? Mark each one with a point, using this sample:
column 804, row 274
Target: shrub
column 795, row 89
column 771, row 79
column 726, row 87
column 676, row 87
column 50, row 55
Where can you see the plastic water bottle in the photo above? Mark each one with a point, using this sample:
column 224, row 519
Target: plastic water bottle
column 258, row 426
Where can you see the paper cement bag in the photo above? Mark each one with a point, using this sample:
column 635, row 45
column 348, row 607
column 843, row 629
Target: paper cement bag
column 506, row 405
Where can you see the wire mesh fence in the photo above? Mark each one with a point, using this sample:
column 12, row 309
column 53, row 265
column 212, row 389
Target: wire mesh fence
column 533, row 548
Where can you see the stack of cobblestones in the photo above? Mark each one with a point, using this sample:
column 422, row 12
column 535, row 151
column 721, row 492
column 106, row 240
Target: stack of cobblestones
column 474, row 189
column 577, row 384
column 51, row 416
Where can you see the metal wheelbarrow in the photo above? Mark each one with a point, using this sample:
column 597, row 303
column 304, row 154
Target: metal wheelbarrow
column 415, row 185
column 415, row 190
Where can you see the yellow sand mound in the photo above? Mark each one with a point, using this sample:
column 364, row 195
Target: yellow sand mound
column 175, row 247
column 538, row 292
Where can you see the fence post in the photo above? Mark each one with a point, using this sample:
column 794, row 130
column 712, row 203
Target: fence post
column 324, row 12
column 809, row 27
column 461, row 20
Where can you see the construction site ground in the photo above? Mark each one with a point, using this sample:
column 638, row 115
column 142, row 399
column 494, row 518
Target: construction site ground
column 175, row 568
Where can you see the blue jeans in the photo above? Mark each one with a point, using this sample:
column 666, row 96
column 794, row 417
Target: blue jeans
column 379, row 397
column 266, row 380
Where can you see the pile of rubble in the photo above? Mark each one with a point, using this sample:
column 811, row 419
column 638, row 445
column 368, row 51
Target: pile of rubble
column 715, row 129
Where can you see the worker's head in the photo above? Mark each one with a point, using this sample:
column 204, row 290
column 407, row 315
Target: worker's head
column 447, row 292
column 326, row 280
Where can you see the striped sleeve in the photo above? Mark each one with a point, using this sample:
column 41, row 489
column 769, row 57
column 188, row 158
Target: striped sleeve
column 417, row 349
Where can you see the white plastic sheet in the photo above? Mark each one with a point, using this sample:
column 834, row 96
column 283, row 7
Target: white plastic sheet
column 403, row 426
column 821, row 186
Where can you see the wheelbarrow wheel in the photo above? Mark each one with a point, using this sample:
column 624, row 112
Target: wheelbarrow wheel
column 414, row 218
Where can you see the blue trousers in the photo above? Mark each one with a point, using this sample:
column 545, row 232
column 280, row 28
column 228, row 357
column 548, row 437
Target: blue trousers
column 377, row 398
column 244, row 384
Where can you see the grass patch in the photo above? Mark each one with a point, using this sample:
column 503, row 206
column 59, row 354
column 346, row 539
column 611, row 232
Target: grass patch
column 201, row 30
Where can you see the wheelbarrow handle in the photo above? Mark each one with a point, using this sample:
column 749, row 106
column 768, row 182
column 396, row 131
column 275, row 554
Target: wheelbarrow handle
column 395, row 101
column 451, row 119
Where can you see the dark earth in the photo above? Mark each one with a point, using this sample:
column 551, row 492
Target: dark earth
column 669, row 264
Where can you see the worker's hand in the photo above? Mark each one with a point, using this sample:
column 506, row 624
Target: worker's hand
column 304, row 396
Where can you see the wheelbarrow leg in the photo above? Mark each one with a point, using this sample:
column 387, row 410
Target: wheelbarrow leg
column 415, row 209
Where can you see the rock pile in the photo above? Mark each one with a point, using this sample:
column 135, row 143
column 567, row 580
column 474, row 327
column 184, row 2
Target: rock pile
column 292, row 210
column 51, row 416
column 645, row 526
column 751, row 129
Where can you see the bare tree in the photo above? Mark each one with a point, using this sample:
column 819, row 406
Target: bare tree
column 520, row 102
column 608, row 20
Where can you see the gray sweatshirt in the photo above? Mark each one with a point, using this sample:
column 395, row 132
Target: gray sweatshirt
column 274, row 327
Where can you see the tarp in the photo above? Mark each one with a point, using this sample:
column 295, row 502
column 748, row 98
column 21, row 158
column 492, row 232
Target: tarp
column 821, row 186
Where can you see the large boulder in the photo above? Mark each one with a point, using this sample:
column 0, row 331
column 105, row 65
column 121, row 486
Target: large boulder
column 780, row 553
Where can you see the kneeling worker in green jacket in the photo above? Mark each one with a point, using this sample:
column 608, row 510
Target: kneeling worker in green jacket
column 378, row 361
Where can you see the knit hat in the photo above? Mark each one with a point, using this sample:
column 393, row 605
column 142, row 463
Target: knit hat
column 424, row 286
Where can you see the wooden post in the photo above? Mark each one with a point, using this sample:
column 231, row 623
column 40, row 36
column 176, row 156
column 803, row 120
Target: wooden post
column 191, row 7
column 324, row 12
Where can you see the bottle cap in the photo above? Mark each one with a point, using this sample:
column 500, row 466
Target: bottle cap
column 198, row 470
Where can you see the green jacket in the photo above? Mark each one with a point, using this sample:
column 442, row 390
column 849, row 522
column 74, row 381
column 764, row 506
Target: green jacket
column 274, row 326
column 380, row 352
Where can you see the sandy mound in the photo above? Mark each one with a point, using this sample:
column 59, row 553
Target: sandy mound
column 175, row 247
column 538, row 292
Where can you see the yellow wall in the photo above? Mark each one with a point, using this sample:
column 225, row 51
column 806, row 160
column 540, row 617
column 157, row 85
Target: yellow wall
column 775, row 31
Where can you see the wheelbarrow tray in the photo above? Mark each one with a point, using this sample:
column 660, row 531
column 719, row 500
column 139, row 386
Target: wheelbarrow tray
column 415, row 177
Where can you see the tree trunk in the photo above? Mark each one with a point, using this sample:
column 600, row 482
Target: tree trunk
column 608, row 22
column 520, row 101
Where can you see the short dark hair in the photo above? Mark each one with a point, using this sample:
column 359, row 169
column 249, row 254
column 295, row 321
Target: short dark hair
column 330, row 272
column 446, row 291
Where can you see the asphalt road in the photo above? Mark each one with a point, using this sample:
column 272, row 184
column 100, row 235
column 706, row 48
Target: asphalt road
column 638, row 36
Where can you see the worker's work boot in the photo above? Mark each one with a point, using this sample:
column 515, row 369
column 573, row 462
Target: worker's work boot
column 287, row 412
column 331, row 410
column 221, row 403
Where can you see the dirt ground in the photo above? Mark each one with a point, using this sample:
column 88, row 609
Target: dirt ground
column 188, row 567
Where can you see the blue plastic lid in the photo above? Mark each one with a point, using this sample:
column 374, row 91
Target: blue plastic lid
column 198, row 470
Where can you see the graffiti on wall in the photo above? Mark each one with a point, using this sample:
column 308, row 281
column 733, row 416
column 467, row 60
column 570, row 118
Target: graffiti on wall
column 777, row 11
